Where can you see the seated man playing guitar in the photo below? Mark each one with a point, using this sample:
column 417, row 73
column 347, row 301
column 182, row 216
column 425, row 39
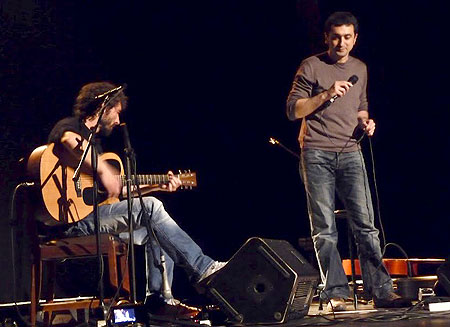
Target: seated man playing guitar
column 69, row 137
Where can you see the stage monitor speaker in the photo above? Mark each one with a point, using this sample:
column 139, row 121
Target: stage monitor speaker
column 443, row 273
column 266, row 281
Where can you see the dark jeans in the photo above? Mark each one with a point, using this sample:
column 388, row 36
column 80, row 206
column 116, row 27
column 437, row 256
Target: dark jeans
column 324, row 175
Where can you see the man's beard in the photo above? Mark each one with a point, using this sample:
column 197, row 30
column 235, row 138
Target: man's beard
column 105, row 130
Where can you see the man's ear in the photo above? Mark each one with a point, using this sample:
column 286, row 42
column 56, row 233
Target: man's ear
column 356, row 37
column 325, row 35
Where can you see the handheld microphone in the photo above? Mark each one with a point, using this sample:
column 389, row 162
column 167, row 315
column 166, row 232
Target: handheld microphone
column 116, row 89
column 353, row 79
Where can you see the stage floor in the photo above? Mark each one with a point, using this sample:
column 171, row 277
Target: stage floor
column 366, row 315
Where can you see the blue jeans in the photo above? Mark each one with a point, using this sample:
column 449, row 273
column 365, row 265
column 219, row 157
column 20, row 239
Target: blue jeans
column 324, row 175
column 177, row 246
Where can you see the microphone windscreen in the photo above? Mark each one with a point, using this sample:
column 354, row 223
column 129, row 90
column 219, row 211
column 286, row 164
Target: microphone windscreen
column 353, row 79
column 126, row 136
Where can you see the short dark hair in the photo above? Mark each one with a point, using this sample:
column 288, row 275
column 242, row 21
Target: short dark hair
column 87, row 106
column 341, row 18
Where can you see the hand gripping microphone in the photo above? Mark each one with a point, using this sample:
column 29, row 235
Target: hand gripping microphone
column 353, row 79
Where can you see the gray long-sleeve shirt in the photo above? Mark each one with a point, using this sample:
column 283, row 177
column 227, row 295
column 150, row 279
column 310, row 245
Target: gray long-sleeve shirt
column 332, row 128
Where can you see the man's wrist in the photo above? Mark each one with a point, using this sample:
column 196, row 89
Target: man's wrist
column 326, row 95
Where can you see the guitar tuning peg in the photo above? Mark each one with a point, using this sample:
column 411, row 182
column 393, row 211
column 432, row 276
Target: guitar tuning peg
column 179, row 171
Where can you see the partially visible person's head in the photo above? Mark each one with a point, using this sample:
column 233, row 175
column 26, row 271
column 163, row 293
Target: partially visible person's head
column 86, row 106
column 340, row 18
column 341, row 32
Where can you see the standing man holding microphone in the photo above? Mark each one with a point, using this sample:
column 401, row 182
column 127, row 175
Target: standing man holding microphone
column 329, row 95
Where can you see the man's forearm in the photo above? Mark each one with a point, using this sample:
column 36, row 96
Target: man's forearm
column 306, row 106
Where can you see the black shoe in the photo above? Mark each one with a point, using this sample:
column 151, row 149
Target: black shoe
column 391, row 300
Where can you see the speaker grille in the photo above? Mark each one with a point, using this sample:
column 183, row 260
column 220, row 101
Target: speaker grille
column 302, row 299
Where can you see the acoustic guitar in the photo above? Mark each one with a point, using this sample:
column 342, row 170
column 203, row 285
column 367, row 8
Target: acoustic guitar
column 67, row 201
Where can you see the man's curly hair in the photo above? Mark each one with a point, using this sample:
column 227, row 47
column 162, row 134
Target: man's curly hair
column 87, row 106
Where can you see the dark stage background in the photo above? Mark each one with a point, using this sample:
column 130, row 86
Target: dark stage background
column 207, row 82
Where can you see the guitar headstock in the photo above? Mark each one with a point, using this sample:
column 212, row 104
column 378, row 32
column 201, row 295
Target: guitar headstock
column 188, row 179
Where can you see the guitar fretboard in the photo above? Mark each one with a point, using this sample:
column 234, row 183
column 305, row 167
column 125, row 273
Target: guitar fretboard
column 146, row 179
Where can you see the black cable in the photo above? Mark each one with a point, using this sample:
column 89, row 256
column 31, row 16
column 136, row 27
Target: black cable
column 101, row 276
column 143, row 214
column 329, row 138
column 377, row 197
column 13, row 223
column 119, row 287
column 380, row 221
column 147, row 216
column 375, row 318
column 328, row 298
column 135, row 184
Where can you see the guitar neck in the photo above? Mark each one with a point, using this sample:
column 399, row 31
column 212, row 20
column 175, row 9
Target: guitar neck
column 146, row 179
column 188, row 179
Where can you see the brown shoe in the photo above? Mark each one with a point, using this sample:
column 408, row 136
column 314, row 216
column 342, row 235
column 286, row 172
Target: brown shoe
column 178, row 311
column 391, row 300
column 336, row 305
column 174, row 309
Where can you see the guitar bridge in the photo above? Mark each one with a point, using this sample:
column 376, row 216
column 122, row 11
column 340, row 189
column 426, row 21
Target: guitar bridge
column 77, row 185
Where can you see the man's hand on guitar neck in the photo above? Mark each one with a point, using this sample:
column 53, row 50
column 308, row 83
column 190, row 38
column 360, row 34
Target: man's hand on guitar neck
column 173, row 185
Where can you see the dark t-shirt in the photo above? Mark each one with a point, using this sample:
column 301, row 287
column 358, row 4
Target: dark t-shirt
column 333, row 128
column 70, row 124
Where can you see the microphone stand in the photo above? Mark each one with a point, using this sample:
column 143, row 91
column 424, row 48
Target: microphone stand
column 76, row 180
column 130, row 160
column 276, row 142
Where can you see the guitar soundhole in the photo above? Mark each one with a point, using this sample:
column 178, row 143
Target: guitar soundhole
column 88, row 197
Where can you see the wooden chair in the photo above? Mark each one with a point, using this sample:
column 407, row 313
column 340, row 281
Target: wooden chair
column 49, row 252
column 63, row 205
